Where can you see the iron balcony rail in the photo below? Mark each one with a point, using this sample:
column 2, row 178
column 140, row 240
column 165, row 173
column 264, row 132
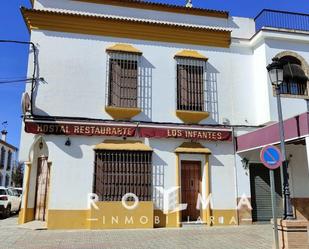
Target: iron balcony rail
column 282, row 20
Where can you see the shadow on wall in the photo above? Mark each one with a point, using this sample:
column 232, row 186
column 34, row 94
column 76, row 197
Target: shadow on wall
column 211, row 94
column 145, row 90
column 158, row 180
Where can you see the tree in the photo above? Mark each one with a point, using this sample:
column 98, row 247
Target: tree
column 18, row 175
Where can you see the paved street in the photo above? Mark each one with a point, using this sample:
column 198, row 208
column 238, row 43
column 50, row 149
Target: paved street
column 243, row 237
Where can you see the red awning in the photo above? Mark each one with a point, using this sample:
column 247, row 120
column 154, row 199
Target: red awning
column 294, row 128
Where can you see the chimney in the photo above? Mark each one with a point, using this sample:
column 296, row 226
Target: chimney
column 189, row 4
column 4, row 133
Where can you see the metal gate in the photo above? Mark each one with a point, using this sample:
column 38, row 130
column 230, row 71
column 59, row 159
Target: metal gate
column 261, row 192
column 120, row 172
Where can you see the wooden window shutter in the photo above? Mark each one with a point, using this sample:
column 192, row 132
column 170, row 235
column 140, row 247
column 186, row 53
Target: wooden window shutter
column 115, row 83
column 190, row 87
column 123, row 83
column 182, row 87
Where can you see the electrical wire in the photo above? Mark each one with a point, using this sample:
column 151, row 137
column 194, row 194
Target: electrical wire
column 14, row 81
column 33, row 82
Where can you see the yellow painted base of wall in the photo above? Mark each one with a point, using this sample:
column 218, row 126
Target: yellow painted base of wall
column 67, row 219
column 165, row 220
column 112, row 215
column 25, row 216
column 223, row 217
column 217, row 218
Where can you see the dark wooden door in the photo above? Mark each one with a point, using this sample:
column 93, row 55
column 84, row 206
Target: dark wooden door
column 190, row 186
column 42, row 185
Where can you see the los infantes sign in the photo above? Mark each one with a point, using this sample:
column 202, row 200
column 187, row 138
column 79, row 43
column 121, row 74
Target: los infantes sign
column 126, row 131
column 195, row 134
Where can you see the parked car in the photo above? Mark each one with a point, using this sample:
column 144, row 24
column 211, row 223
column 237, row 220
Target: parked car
column 18, row 193
column 9, row 202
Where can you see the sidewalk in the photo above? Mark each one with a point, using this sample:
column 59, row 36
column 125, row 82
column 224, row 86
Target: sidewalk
column 238, row 237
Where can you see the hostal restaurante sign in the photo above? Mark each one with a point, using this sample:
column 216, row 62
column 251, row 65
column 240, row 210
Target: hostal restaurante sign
column 126, row 131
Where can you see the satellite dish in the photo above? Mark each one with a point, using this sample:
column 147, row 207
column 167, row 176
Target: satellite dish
column 25, row 103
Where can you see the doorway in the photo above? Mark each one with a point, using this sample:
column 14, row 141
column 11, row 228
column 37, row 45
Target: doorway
column 191, row 178
column 261, row 193
column 42, row 186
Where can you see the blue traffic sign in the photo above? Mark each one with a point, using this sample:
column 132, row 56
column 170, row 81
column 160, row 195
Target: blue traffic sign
column 271, row 157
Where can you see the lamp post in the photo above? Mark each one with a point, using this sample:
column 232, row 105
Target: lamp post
column 275, row 71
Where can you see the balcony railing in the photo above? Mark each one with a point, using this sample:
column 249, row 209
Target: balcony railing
column 282, row 20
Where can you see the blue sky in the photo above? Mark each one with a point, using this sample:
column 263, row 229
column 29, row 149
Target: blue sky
column 13, row 58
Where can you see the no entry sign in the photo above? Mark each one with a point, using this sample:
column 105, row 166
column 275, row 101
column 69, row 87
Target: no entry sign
column 271, row 157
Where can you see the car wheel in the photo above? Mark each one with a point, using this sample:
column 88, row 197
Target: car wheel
column 8, row 211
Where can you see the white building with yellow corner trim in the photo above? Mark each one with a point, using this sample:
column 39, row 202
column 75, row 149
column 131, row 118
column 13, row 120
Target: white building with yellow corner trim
column 136, row 97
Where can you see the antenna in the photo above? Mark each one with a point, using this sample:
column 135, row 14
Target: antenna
column 5, row 124
column 189, row 4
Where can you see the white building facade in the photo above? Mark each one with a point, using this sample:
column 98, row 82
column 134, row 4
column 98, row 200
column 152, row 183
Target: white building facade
column 7, row 160
column 139, row 97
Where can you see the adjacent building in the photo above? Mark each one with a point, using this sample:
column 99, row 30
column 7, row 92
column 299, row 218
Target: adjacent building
column 140, row 97
column 7, row 160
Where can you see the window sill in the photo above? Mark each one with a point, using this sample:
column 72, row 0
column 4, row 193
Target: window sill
column 122, row 113
column 191, row 117
column 292, row 96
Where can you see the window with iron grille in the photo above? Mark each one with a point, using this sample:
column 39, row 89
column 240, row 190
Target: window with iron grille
column 9, row 161
column 2, row 158
column 122, row 80
column 190, row 85
column 121, row 172
column 7, row 181
column 295, row 79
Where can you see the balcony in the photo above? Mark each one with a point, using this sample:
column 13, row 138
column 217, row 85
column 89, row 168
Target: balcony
column 282, row 20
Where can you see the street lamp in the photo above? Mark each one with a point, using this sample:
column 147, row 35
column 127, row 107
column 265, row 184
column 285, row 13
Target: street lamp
column 275, row 71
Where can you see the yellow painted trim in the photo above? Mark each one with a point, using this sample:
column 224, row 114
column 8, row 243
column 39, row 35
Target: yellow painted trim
column 191, row 117
column 131, row 145
column 124, row 28
column 126, row 48
column 162, row 7
column 121, row 113
column 67, row 219
column 229, row 216
column 178, row 197
column 24, row 215
column 112, row 215
column 191, row 54
column 166, row 220
column 207, row 212
column 192, row 148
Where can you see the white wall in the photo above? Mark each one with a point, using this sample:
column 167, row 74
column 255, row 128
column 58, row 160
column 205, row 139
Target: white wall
column 74, row 68
column 299, row 171
column 290, row 106
column 72, row 170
